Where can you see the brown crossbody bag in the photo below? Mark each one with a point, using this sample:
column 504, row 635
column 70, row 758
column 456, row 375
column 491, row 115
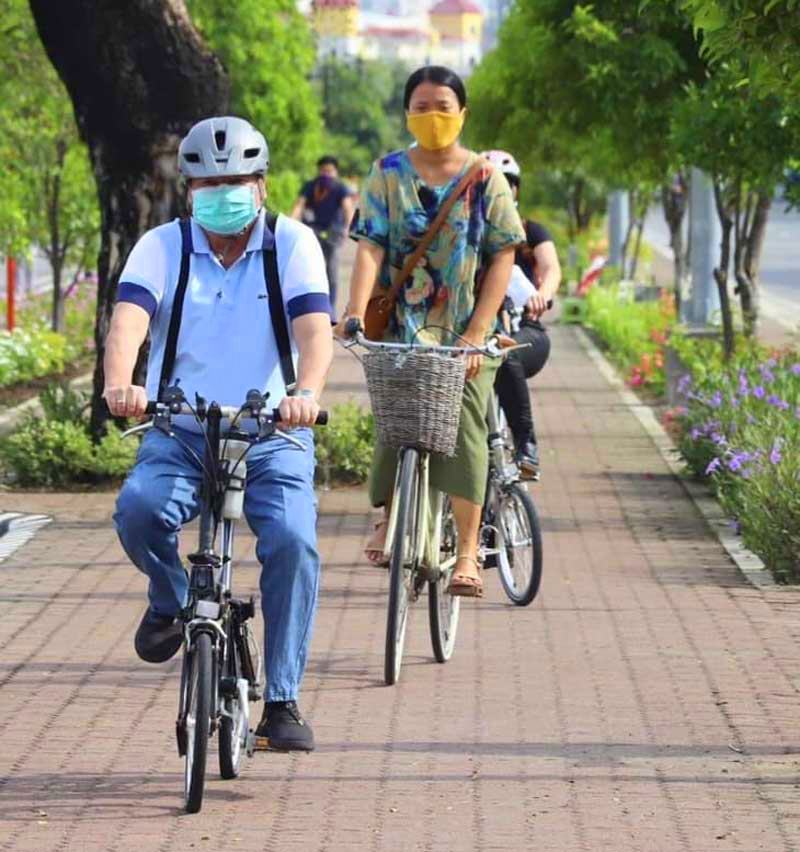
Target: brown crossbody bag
column 380, row 306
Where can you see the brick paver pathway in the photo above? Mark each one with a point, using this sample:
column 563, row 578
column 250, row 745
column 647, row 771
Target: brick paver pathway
column 646, row 701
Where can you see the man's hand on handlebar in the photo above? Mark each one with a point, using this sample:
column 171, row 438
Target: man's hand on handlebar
column 126, row 400
column 298, row 411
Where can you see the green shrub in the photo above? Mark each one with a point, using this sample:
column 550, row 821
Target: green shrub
column 344, row 446
column 56, row 450
column 741, row 428
column 633, row 332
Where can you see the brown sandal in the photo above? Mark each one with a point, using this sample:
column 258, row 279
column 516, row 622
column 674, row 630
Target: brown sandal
column 376, row 555
column 465, row 585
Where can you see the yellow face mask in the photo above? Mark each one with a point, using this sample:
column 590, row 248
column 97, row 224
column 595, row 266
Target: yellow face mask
column 435, row 130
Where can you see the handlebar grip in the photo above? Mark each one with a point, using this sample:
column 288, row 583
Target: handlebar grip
column 322, row 417
column 353, row 326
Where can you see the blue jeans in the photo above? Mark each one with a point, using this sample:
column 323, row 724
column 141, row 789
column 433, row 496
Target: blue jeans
column 161, row 494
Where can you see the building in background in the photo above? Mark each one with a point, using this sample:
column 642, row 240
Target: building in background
column 448, row 33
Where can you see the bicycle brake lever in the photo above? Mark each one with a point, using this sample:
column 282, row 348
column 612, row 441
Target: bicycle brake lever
column 135, row 430
column 286, row 436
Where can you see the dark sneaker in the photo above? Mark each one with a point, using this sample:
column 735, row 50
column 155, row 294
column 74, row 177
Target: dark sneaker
column 282, row 728
column 159, row 637
column 527, row 459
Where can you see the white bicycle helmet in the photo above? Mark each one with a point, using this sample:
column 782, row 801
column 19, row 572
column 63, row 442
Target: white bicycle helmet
column 505, row 162
column 222, row 146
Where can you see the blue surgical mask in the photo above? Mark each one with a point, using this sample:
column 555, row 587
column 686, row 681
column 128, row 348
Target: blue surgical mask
column 226, row 209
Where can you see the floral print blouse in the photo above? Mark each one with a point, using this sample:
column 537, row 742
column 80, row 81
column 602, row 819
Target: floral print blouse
column 397, row 208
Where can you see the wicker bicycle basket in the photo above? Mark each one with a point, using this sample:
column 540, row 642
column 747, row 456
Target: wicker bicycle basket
column 416, row 398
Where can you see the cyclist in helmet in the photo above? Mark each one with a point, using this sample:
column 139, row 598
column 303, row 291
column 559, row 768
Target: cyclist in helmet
column 226, row 345
column 534, row 283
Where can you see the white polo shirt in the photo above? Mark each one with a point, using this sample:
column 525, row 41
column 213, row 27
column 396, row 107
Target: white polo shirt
column 226, row 344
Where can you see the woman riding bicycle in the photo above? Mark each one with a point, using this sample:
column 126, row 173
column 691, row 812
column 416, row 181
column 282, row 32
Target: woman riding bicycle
column 453, row 295
column 537, row 266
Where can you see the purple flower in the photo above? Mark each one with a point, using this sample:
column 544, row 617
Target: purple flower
column 777, row 402
column 775, row 454
column 736, row 461
column 716, row 399
column 713, row 466
column 735, row 401
column 685, row 382
column 772, row 362
column 796, row 369
column 759, row 392
column 695, row 433
column 717, row 438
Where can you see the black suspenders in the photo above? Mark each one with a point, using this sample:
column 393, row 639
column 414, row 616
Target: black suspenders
column 168, row 364
column 277, row 313
column 276, row 309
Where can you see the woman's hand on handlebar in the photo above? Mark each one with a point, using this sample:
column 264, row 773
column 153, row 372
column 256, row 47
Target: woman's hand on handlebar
column 538, row 304
column 474, row 362
column 126, row 400
column 298, row 411
column 341, row 330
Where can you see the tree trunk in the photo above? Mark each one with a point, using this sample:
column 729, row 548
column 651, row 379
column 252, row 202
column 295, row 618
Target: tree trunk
column 721, row 272
column 675, row 202
column 574, row 207
column 747, row 272
column 139, row 76
column 55, row 255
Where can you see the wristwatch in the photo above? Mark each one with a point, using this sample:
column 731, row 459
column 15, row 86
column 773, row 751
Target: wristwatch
column 306, row 393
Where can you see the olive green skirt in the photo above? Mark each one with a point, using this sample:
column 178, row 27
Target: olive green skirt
column 463, row 475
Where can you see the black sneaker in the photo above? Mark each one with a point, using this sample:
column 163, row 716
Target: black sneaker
column 282, row 728
column 159, row 637
column 527, row 459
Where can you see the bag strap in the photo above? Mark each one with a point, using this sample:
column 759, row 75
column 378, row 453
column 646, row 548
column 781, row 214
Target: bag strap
column 168, row 363
column 277, row 312
column 444, row 211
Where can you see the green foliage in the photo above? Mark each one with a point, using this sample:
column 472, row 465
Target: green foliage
column 760, row 37
column 739, row 137
column 587, row 90
column 741, row 427
column 633, row 332
column 268, row 51
column 49, row 195
column 362, row 109
column 56, row 450
column 344, row 446
column 28, row 353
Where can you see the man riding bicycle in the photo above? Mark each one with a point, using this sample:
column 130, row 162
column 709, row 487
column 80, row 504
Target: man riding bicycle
column 536, row 278
column 233, row 337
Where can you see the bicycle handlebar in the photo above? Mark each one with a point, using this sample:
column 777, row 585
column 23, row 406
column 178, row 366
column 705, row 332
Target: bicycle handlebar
column 354, row 331
column 226, row 411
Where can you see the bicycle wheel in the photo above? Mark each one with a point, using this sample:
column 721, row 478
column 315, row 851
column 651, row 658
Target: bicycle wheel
column 401, row 567
column 520, row 544
column 443, row 608
column 233, row 727
column 198, row 720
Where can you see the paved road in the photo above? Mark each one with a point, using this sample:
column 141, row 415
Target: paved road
column 780, row 266
column 647, row 701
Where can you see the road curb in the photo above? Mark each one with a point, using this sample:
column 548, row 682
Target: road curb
column 9, row 419
column 750, row 565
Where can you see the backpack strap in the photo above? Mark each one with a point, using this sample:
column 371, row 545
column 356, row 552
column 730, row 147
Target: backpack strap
column 277, row 312
column 171, row 348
